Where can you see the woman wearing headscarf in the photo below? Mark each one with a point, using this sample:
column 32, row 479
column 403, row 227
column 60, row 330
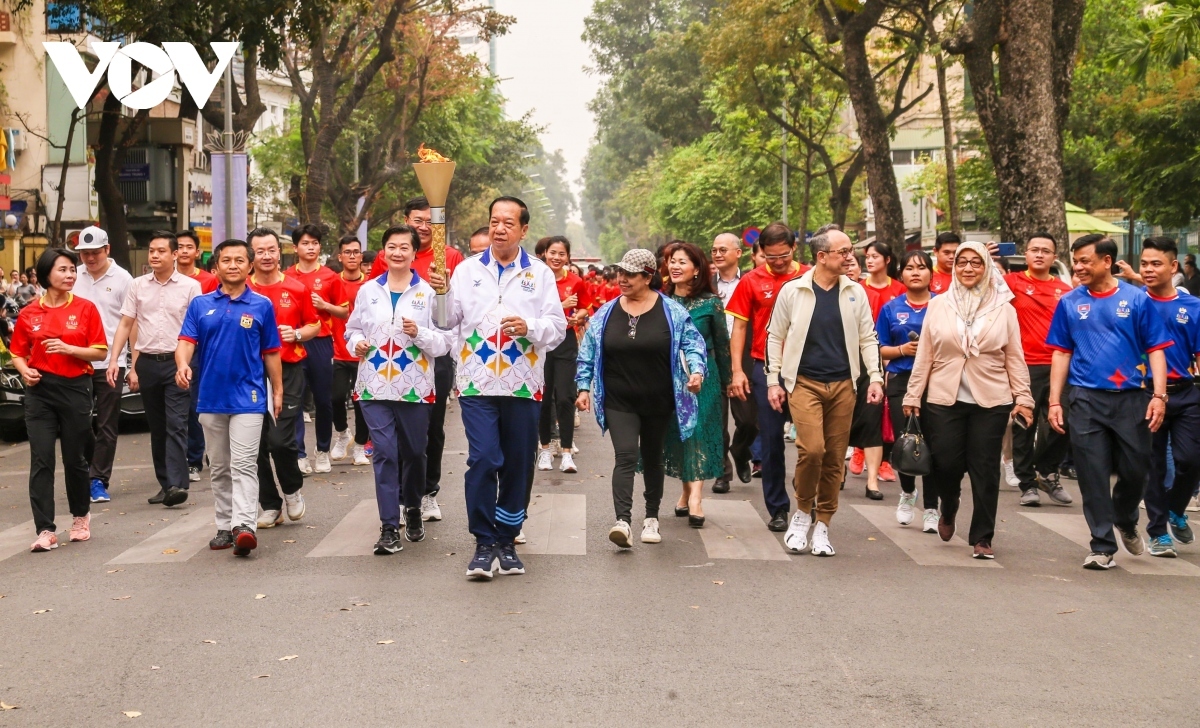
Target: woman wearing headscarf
column 971, row 369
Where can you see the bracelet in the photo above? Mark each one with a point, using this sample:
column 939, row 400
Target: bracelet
column 1054, row 404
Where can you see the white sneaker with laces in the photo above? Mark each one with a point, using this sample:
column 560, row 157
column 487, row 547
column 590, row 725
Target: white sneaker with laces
column 1010, row 476
column 295, row 505
column 577, row 419
column 545, row 459
column 360, row 456
column 193, row 475
column 904, row 511
column 820, row 541
column 568, row 463
column 307, row 418
column 341, row 441
column 520, row 539
column 269, row 519
column 796, row 538
column 929, row 521
column 650, row 532
column 305, row 468
column 556, row 447
column 849, row 453
column 621, row 535
column 574, row 449
column 323, row 465
column 430, row 510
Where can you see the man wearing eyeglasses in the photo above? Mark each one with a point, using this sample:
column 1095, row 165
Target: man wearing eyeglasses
column 813, row 369
column 345, row 364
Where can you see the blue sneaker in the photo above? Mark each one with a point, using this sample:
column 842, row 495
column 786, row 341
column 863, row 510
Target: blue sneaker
column 510, row 563
column 1180, row 528
column 1163, row 546
column 99, row 492
column 484, row 563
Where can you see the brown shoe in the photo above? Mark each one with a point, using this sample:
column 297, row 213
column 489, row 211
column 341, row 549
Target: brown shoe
column 983, row 550
column 946, row 527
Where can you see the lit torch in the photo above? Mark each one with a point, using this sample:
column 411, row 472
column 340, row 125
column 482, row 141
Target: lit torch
column 435, row 172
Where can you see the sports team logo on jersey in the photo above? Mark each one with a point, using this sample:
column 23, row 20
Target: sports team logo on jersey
column 316, row 286
column 1084, row 309
column 1029, row 291
column 35, row 322
column 767, row 293
column 1182, row 316
column 528, row 283
column 1123, row 309
column 72, row 322
column 285, row 300
column 902, row 317
column 247, row 321
column 1057, row 293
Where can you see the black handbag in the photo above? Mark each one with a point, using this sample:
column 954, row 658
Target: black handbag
column 910, row 452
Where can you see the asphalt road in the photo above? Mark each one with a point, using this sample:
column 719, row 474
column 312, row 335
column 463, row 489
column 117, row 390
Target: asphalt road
column 669, row 634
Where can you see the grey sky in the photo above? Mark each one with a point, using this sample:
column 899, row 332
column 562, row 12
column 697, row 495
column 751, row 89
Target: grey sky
column 543, row 59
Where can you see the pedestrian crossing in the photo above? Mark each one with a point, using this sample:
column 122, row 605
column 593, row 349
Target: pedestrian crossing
column 924, row 548
column 734, row 530
column 1074, row 528
column 556, row 524
column 176, row 543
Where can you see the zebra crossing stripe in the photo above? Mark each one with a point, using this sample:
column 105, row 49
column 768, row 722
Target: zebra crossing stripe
column 557, row 524
column 924, row 548
column 1074, row 528
column 176, row 543
column 354, row 535
column 734, row 530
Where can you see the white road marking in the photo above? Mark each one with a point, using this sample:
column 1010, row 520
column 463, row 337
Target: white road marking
column 927, row 549
column 354, row 535
column 556, row 524
column 18, row 538
column 1074, row 528
column 734, row 530
column 185, row 537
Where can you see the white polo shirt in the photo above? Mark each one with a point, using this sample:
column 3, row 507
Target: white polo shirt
column 108, row 294
column 725, row 291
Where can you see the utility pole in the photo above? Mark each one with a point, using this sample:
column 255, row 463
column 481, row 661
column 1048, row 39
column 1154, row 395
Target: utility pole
column 783, row 153
column 228, row 135
column 492, row 47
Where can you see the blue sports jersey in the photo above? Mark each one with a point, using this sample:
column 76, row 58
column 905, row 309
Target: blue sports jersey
column 1181, row 314
column 897, row 319
column 231, row 336
column 1107, row 335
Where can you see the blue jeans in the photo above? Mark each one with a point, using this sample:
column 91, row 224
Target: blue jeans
column 318, row 373
column 502, row 437
column 770, row 433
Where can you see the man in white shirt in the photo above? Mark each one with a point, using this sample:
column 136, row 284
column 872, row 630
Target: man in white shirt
column 726, row 256
column 105, row 284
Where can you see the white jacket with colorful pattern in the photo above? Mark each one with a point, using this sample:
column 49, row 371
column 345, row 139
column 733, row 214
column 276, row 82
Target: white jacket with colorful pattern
column 482, row 292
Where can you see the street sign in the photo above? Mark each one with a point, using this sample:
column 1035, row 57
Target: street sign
column 750, row 236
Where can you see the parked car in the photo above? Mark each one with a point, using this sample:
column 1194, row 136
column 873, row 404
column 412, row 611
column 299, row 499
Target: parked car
column 12, row 401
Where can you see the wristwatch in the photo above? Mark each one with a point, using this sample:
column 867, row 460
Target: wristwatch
column 298, row 337
column 1163, row 397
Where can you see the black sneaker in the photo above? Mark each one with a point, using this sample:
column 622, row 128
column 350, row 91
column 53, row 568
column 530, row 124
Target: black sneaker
column 510, row 563
column 414, row 527
column 157, row 499
column 244, row 541
column 389, row 541
column 223, row 540
column 174, row 496
column 721, row 486
column 779, row 522
column 485, row 561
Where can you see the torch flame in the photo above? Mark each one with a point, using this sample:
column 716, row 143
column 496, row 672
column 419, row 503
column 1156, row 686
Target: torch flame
column 429, row 155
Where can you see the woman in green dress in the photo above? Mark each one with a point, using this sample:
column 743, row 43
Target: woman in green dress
column 701, row 456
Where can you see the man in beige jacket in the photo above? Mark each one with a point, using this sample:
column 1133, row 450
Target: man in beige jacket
column 820, row 327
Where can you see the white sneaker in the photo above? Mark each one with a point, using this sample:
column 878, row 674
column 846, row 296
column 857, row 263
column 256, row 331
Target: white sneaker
column 568, row 463
column 849, row 453
column 1010, row 476
column 574, row 449
column 820, row 541
column 545, row 459
column 520, row 539
column 650, row 532
column 323, row 465
column 304, row 466
column 904, row 511
column 621, row 535
column 796, row 538
column 1194, row 504
column 555, row 448
column 789, row 432
column 430, row 510
column 269, row 519
column 360, row 456
column 341, row 441
column 193, row 475
column 295, row 505
column 577, row 419
column 307, row 418
column 929, row 521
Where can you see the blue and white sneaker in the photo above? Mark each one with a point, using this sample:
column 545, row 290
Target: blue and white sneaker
column 485, row 562
column 1180, row 528
column 1163, row 546
column 99, row 492
column 510, row 563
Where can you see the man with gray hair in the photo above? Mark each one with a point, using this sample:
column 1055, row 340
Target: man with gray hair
column 726, row 256
column 814, row 369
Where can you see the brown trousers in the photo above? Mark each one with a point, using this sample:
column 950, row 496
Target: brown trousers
column 822, row 414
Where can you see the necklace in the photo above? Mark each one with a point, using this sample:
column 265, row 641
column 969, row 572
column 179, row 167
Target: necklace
column 633, row 322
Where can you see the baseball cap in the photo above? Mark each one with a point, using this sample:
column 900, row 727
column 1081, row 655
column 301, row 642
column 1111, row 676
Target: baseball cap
column 638, row 260
column 91, row 238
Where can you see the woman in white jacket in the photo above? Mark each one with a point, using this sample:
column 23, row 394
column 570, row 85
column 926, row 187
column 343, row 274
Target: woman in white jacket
column 391, row 332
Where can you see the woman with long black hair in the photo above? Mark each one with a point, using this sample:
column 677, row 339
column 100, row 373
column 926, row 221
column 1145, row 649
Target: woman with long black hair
column 558, row 399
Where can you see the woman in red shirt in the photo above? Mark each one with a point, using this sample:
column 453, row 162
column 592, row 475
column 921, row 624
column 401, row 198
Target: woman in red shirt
column 558, row 398
column 55, row 341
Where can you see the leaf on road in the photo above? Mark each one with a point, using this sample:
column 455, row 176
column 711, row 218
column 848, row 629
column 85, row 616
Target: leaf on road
column 113, row 571
column 43, row 611
column 1069, row 611
column 464, row 660
column 258, row 676
column 362, row 604
column 292, row 540
column 154, row 667
column 719, row 583
column 260, row 596
column 385, row 642
column 121, row 599
column 695, row 607
column 210, row 642
column 312, row 527
column 729, row 537
column 131, row 713
column 870, row 538
column 6, row 706
column 345, row 609
column 512, row 612
column 285, row 658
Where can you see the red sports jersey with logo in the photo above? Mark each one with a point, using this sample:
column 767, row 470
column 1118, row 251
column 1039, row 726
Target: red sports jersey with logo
column 350, row 288
column 572, row 284
column 877, row 297
column 293, row 307
column 753, row 300
column 326, row 284
column 939, row 282
column 1035, row 302
column 208, row 282
column 77, row 322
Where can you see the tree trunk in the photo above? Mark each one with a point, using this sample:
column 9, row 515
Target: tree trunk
column 112, row 202
column 948, row 133
column 56, row 223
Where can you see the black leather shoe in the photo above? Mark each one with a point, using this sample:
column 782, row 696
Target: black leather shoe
column 720, row 486
column 743, row 471
column 681, row 512
column 223, row 540
column 779, row 522
column 874, row 494
column 158, row 498
column 174, row 496
column 696, row 521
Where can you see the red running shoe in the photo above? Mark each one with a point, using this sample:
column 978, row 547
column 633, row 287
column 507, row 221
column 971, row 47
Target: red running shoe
column 858, row 461
column 244, row 541
column 886, row 473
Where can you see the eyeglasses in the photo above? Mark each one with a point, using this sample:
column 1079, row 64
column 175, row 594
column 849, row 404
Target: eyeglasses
column 844, row 252
column 351, row 253
column 785, row 256
column 971, row 263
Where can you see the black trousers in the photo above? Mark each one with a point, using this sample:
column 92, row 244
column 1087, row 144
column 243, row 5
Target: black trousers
column 1109, row 431
column 443, row 382
column 1038, row 449
column 1182, row 426
column 965, row 438
column 635, row 435
column 278, row 443
column 897, row 385
column 167, row 409
column 558, row 399
column 745, row 429
column 58, row 408
column 102, row 435
column 345, row 374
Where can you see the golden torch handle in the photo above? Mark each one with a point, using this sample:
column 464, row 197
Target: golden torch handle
column 439, row 253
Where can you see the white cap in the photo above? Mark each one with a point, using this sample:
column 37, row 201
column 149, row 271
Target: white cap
column 91, row 238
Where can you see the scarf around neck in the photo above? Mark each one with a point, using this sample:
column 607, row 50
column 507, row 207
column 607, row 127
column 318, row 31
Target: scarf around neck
column 972, row 304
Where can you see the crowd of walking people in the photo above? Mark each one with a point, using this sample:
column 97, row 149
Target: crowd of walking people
column 996, row 376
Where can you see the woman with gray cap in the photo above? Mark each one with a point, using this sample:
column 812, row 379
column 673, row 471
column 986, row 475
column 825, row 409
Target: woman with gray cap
column 641, row 362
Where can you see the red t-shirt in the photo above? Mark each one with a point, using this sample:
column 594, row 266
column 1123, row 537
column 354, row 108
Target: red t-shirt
column 877, row 297
column 326, row 284
column 421, row 263
column 573, row 284
column 753, row 300
column 293, row 307
column 76, row 323
column 350, row 288
column 939, row 282
column 208, row 282
column 607, row 293
column 1035, row 302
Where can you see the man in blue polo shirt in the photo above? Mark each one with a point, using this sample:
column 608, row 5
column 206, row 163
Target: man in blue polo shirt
column 1099, row 333
column 233, row 334
column 1180, row 312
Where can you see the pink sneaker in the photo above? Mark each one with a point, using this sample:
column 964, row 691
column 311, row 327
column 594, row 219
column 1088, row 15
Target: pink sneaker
column 81, row 529
column 46, row 540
